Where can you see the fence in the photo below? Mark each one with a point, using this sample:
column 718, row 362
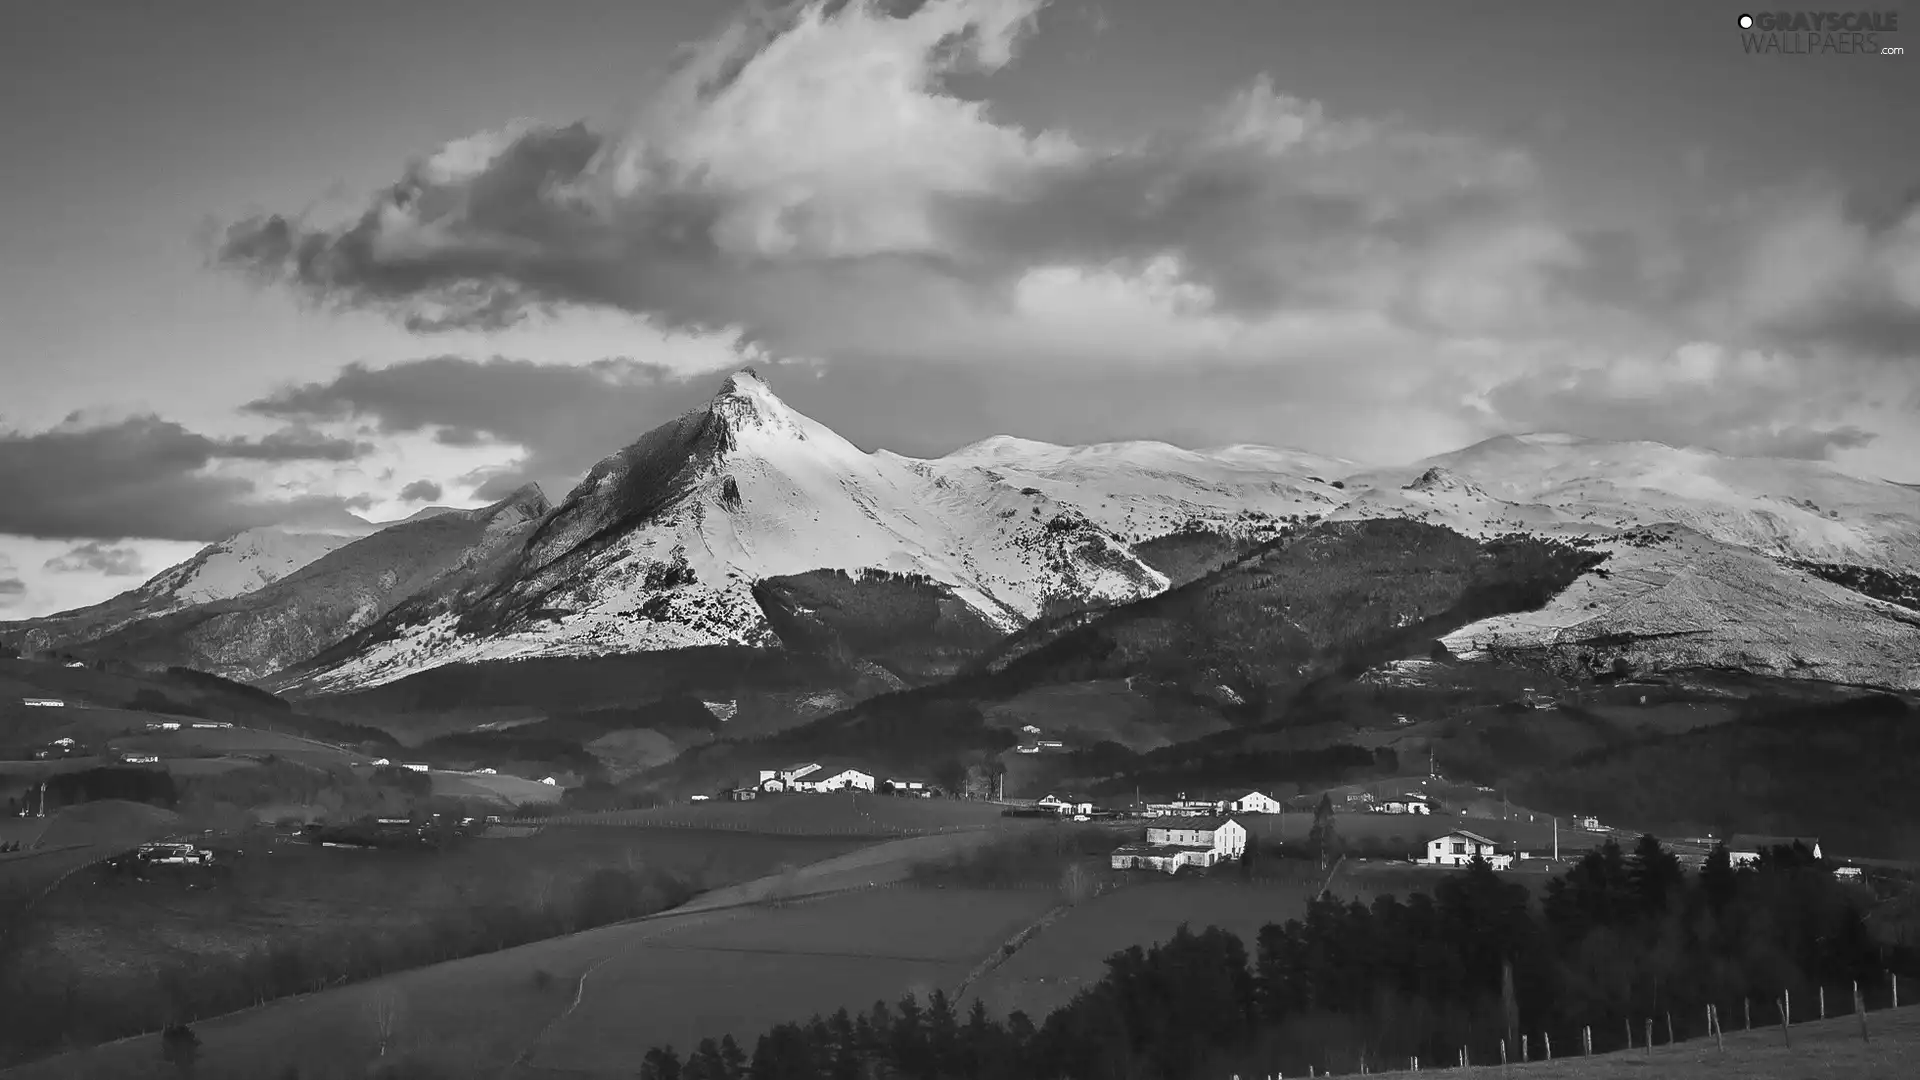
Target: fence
column 653, row 819
column 1644, row 1035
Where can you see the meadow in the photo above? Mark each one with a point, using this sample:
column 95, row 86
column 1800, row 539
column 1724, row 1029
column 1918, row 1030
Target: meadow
column 834, row 814
column 742, row 976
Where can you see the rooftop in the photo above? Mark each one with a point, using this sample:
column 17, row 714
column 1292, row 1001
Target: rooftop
column 1203, row 823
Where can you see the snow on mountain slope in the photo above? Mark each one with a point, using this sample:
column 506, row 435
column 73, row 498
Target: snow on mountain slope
column 1698, row 541
column 1140, row 490
column 1671, row 598
column 232, row 567
column 1784, row 508
column 660, row 545
column 308, row 610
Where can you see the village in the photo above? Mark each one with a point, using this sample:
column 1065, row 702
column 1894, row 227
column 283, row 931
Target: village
column 1191, row 833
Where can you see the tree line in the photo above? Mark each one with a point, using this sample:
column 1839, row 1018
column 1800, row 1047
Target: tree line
column 1622, row 938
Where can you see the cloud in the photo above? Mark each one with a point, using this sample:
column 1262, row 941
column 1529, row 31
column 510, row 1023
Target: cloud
column 148, row 477
column 810, row 179
column 12, row 589
column 421, row 491
column 95, row 556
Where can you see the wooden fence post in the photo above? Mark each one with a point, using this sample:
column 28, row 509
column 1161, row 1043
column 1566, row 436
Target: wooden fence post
column 1746, row 1006
column 1526, row 1050
column 1547, row 1038
column 1503, row 1055
column 1786, row 1006
column 1823, row 1002
column 1860, row 1006
column 1416, row 1063
column 1896, row 988
column 1628, row 1024
column 1669, row 1028
column 1649, row 1036
column 1718, row 1042
column 1586, row 1040
column 1786, row 1029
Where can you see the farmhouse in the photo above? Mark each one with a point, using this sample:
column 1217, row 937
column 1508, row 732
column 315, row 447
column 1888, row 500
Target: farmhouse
column 1744, row 849
column 140, row 759
column 1254, row 802
column 842, row 779
column 415, row 766
column 1459, row 847
column 1029, row 729
column 904, row 786
column 1183, row 808
column 44, row 702
column 1070, row 804
column 787, row 777
column 164, row 725
column 743, row 794
column 210, row 724
column 1183, row 841
column 1589, row 823
column 1411, row 804
column 1359, row 798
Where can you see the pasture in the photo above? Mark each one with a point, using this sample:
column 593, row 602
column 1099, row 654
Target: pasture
column 743, row 975
column 832, row 814
column 1415, row 830
column 499, row 787
column 477, row 1014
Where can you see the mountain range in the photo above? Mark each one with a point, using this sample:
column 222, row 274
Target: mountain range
column 745, row 524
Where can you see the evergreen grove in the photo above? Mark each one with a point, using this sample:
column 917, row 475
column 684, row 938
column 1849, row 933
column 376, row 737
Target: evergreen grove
column 1621, row 938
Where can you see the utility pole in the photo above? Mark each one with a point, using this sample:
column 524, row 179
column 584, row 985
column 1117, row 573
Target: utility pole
column 1556, row 838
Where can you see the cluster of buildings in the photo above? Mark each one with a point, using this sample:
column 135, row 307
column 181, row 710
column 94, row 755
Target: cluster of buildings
column 813, row 777
column 1174, row 843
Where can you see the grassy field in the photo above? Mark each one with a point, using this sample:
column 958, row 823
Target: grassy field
column 1821, row 1048
column 479, row 1013
column 281, row 890
column 743, row 975
column 1535, row 836
column 802, row 815
column 511, row 790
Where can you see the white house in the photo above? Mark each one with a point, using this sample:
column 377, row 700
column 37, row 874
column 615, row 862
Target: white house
column 787, row 776
column 1411, row 804
column 1072, row 804
column 414, row 766
column 1459, row 847
column 380, row 763
column 1030, row 729
column 1847, row 873
column 164, row 725
column 1254, row 802
column 44, row 702
column 211, row 724
column 1176, row 842
column 904, row 786
column 64, row 743
column 1183, row 808
column 1589, row 823
column 140, row 759
column 1744, row 849
column 848, row 779
column 1049, row 744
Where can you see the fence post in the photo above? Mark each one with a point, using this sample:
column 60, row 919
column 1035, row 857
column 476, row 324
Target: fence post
column 1786, row 1006
column 1896, row 988
column 1586, row 1039
column 1628, row 1024
column 1526, row 1050
column 1669, row 1028
column 1547, row 1038
column 1649, row 1036
column 1823, row 1002
column 1746, row 1006
column 1503, row 1055
column 1719, row 1042
column 1786, row 1029
column 1860, row 1006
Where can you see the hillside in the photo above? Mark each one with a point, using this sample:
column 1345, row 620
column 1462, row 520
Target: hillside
column 262, row 631
column 233, row 567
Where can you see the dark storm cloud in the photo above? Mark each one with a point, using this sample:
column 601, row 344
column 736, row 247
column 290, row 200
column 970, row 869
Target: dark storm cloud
column 143, row 477
column 98, row 557
column 421, row 491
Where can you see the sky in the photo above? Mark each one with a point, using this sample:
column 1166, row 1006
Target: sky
column 276, row 265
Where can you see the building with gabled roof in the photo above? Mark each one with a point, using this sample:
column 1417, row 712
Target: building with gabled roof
column 1176, row 842
column 1460, row 847
column 1745, row 848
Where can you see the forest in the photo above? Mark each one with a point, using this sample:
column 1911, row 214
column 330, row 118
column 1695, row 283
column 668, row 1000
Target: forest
column 1621, row 939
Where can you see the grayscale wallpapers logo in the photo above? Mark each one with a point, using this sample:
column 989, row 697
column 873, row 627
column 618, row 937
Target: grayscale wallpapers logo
column 1820, row 33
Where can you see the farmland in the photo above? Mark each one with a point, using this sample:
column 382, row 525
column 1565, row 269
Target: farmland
column 483, row 1011
column 853, row 813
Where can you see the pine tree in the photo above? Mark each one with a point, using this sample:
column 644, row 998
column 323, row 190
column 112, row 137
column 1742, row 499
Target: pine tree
column 1322, row 837
column 660, row 1063
column 734, row 1059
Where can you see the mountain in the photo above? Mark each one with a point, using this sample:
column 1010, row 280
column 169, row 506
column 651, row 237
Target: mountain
column 1760, row 565
column 663, row 544
column 232, row 567
column 296, row 616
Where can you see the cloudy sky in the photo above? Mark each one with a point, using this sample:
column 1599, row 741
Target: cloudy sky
column 269, row 264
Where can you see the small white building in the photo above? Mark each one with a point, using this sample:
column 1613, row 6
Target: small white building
column 1743, row 850
column 380, row 763
column 1049, row 744
column 414, row 766
column 1029, row 729
column 1254, row 802
column 1589, row 823
column 1176, row 842
column 1411, row 804
column 211, row 725
column 63, row 743
column 1847, row 873
column 44, row 702
column 1460, row 847
column 164, row 725
column 140, row 759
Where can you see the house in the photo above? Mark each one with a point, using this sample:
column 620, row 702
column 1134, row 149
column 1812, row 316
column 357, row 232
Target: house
column 1049, row 744
column 1183, row 808
column 44, row 702
column 917, row 788
column 1254, row 802
column 1177, row 842
column 787, row 777
column 1411, row 804
column 1459, row 847
column 77, row 664
column 414, row 766
column 550, row 781
column 1847, row 873
column 380, row 763
column 1029, row 729
column 211, row 724
column 140, row 759
column 164, row 725
column 1071, row 804
column 743, row 794
column 1359, row 798
column 845, row 779
column 1026, row 748
column 699, row 798
column 1589, row 823
column 63, row 743
column 1743, row 849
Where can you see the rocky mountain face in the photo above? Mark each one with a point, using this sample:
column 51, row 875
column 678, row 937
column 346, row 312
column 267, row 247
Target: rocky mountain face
column 263, row 631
